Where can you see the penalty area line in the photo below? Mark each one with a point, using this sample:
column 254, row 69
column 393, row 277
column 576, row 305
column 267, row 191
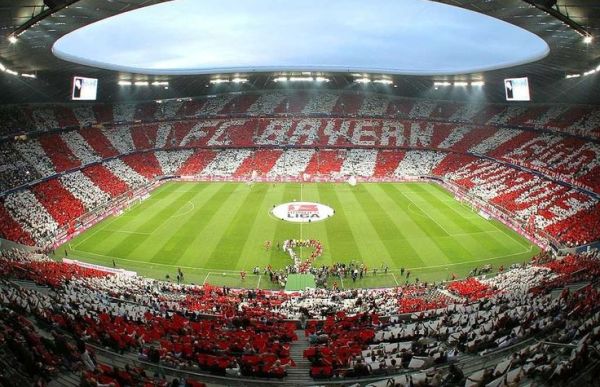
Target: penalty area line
column 395, row 279
column 94, row 232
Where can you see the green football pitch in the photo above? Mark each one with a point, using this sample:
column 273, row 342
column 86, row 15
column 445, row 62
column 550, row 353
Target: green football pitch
column 212, row 231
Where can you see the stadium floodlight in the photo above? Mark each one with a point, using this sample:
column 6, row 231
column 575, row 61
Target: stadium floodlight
column 321, row 79
column 363, row 80
column 160, row 83
column 590, row 72
column 598, row 68
column 12, row 39
column 588, row 39
column 383, row 81
column 569, row 76
column 29, row 75
column 461, row 84
column 280, row 79
column 2, row 68
column 437, row 84
column 124, row 83
column 239, row 80
column 142, row 83
column 219, row 81
column 11, row 72
column 477, row 83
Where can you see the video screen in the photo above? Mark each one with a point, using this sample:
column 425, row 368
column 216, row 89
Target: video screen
column 84, row 89
column 517, row 89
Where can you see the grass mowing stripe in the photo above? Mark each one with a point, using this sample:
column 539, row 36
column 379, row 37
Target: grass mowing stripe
column 343, row 242
column 153, row 219
column 263, row 228
column 372, row 250
column 446, row 245
column 222, row 203
column 388, row 233
column 235, row 235
column 461, row 222
column 493, row 242
column 79, row 242
column 318, row 230
column 474, row 246
column 284, row 230
column 410, row 206
column 414, row 231
column 454, row 204
column 102, row 244
column 510, row 234
column 177, row 241
column 206, row 242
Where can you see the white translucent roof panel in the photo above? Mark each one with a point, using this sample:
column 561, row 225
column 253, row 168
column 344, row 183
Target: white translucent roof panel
column 418, row 37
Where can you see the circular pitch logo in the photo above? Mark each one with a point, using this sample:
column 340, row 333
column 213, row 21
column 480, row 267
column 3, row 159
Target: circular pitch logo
column 302, row 212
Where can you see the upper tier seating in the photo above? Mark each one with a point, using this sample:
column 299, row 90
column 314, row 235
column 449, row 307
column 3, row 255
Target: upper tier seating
column 577, row 120
column 569, row 159
column 341, row 134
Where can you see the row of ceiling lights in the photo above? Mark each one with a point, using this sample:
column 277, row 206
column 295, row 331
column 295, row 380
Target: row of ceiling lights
column 6, row 70
column 164, row 84
column 437, row 85
column 584, row 74
column 238, row 80
column 318, row 79
column 305, row 77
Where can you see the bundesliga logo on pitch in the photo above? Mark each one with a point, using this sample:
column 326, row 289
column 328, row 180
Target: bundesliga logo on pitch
column 304, row 211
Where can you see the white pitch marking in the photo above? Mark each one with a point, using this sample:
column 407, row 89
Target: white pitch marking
column 425, row 212
column 128, row 232
column 507, row 234
column 395, row 279
column 108, row 222
column 473, row 261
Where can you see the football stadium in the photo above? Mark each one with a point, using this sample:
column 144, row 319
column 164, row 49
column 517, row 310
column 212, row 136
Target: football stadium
column 392, row 193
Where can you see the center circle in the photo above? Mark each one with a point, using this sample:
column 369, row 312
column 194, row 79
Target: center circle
column 302, row 212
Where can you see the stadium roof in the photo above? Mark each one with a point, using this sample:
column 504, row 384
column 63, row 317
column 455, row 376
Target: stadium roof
column 31, row 54
column 191, row 37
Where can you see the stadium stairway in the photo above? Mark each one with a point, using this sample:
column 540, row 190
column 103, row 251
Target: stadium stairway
column 66, row 379
column 30, row 285
column 299, row 375
column 573, row 287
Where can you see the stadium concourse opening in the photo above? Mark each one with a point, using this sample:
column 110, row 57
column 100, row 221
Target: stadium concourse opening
column 266, row 192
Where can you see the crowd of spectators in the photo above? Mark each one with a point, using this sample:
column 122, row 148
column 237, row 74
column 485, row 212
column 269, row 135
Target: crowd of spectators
column 577, row 120
column 539, row 205
column 573, row 160
column 562, row 152
column 369, row 344
column 351, row 332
